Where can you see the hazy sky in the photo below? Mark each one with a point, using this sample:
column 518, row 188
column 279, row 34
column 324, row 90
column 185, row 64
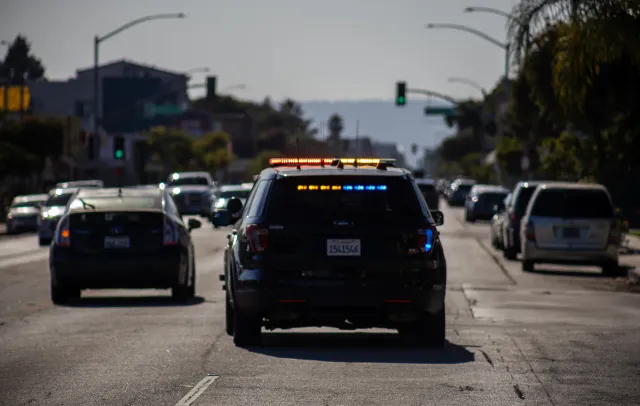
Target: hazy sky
column 303, row 49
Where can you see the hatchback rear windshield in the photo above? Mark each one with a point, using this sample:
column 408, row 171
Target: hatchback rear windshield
column 491, row 198
column 116, row 203
column 572, row 203
column 361, row 200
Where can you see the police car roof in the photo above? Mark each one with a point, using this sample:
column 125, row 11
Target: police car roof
column 63, row 191
column 291, row 171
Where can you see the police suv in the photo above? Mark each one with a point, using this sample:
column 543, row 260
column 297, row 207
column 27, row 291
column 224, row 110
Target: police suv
column 346, row 243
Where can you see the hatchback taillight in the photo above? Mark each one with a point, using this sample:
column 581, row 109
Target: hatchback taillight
column 258, row 237
column 63, row 233
column 170, row 232
column 426, row 238
column 530, row 232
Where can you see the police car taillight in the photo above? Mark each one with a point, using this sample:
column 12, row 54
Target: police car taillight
column 426, row 238
column 258, row 237
column 63, row 234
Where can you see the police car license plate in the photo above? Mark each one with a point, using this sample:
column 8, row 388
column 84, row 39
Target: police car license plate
column 116, row 242
column 343, row 248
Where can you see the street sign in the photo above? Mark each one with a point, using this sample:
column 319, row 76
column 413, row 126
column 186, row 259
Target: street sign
column 14, row 98
column 153, row 110
column 439, row 111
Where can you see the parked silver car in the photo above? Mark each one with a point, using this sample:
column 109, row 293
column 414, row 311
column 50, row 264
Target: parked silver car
column 570, row 223
column 496, row 234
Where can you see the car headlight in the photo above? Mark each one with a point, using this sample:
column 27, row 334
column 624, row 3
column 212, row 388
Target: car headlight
column 176, row 191
column 221, row 204
column 9, row 216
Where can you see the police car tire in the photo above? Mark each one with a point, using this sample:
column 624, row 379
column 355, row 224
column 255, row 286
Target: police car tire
column 44, row 241
column 427, row 331
column 246, row 329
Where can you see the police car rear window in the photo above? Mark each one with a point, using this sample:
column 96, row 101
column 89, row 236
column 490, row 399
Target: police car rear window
column 362, row 200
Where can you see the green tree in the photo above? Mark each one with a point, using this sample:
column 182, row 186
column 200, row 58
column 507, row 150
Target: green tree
column 172, row 147
column 335, row 125
column 260, row 162
column 212, row 151
column 19, row 63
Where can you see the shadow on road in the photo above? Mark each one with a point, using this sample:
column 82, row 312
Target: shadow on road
column 358, row 347
column 137, row 301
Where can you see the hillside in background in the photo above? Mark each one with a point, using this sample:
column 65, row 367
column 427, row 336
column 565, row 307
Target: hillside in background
column 383, row 121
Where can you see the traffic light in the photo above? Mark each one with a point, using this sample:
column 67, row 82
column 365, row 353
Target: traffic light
column 401, row 93
column 118, row 148
column 211, row 87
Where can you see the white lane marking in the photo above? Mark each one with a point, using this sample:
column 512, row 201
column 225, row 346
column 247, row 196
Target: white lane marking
column 197, row 390
column 23, row 259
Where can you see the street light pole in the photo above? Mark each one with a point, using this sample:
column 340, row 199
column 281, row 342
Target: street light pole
column 97, row 40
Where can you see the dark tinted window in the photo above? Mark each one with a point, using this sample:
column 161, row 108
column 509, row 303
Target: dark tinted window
column 116, row 203
column 427, row 189
column 392, row 201
column 573, row 204
column 464, row 189
column 241, row 194
column 522, row 199
column 492, row 198
column 58, row 200
column 189, row 181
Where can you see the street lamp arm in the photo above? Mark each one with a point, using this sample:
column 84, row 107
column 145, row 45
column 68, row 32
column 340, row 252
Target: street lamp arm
column 434, row 94
column 471, row 31
column 488, row 10
column 470, row 83
column 136, row 22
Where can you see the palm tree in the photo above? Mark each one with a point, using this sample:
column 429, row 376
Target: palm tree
column 592, row 32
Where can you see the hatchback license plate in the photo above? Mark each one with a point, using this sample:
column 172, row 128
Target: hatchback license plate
column 116, row 242
column 571, row 232
column 343, row 248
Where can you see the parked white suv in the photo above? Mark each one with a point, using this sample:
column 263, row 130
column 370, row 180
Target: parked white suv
column 570, row 223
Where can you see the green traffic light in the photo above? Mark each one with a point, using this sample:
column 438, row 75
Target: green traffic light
column 119, row 154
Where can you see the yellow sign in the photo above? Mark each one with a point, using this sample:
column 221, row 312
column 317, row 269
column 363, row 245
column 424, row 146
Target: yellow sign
column 16, row 98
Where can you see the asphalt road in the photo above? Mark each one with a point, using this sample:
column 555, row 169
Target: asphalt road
column 554, row 337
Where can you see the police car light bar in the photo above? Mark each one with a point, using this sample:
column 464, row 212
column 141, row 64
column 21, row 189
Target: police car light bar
column 329, row 161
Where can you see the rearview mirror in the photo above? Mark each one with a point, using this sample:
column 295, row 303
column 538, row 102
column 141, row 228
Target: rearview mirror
column 234, row 207
column 438, row 217
column 192, row 224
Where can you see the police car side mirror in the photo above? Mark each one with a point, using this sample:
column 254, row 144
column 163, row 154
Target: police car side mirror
column 192, row 224
column 438, row 217
column 234, row 207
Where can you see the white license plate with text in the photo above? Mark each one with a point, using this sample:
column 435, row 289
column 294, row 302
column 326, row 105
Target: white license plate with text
column 116, row 242
column 343, row 248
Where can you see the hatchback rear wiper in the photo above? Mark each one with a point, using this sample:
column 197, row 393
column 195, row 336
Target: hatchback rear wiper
column 85, row 204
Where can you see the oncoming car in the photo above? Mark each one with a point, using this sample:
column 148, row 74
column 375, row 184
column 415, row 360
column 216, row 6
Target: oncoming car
column 192, row 192
column 54, row 207
column 323, row 242
column 80, row 183
column 24, row 212
column 128, row 238
column 225, row 193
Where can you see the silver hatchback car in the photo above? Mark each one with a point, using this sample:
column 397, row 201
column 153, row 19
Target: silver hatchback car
column 570, row 223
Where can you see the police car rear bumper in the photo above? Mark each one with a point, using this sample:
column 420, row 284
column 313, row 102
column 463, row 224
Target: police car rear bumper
column 254, row 300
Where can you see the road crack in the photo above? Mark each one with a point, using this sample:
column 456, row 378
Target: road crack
column 515, row 344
